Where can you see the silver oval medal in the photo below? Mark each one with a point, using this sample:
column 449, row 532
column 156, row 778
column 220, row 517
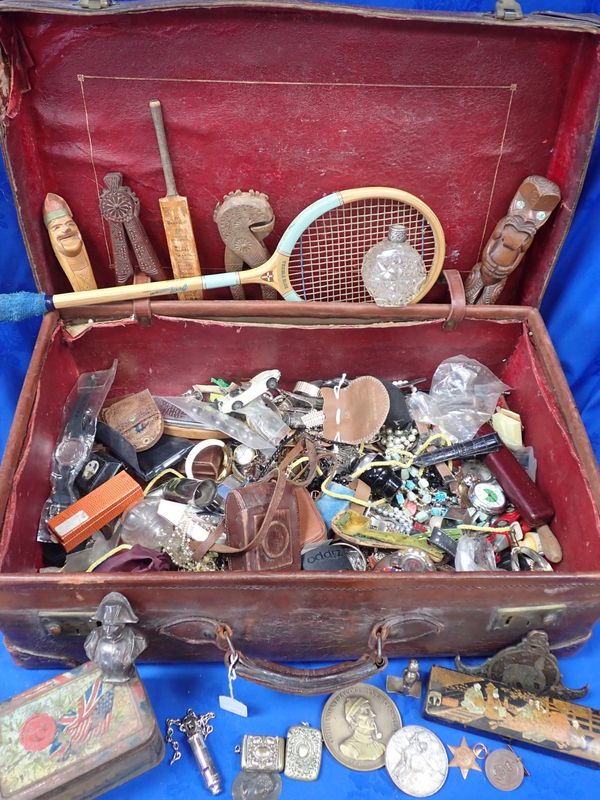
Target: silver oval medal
column 416, row 761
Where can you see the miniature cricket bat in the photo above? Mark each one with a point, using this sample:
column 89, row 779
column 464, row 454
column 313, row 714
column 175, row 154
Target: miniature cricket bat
column 176, row 214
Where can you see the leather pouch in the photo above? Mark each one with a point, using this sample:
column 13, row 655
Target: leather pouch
column 263, row 525
column 137, row 418
column 312, row 524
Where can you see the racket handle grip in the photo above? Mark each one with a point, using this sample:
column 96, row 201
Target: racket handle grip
column 24, row 305
column 114, row 294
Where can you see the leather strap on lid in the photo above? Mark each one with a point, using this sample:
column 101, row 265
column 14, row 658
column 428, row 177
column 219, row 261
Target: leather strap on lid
column 458, row 300
column 142, row 310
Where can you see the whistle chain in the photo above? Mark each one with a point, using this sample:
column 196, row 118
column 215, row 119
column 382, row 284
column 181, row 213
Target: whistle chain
column 196, row 730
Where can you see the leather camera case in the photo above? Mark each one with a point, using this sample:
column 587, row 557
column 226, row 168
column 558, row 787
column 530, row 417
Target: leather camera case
column 263, row 521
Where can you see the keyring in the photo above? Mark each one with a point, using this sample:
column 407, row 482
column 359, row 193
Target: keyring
column 480, row 751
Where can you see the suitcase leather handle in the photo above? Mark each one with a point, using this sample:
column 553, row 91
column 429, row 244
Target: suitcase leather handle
column 292, row 680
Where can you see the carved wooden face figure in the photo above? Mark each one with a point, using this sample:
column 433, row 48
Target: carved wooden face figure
column 536, row 199
column 511, row 238
column 65, row 236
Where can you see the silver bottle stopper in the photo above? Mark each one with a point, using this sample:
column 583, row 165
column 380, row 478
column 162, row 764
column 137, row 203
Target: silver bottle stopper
column 397, row 233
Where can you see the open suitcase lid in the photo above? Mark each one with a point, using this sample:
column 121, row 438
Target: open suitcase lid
column 296, row 100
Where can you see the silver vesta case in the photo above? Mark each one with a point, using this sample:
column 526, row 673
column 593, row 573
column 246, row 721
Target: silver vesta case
column 263, row 753
column 303, row 753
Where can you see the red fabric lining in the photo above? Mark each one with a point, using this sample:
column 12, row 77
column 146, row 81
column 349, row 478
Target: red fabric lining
column 298, row 142
column 172, row 354
column 559, row 473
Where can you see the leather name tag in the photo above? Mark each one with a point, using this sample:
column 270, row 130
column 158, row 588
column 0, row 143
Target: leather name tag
column 357, row 412
column 137, row 418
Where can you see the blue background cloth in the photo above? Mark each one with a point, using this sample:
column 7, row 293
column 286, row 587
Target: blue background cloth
column 570, row 307
column 174, row 689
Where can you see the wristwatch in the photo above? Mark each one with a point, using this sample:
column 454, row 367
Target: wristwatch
column 73, row 449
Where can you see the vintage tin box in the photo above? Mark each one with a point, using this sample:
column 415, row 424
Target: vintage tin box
column 298, row 100
column 76, row 736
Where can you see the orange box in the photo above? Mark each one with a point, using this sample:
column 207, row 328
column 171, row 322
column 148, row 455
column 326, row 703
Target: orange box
column 78, row 522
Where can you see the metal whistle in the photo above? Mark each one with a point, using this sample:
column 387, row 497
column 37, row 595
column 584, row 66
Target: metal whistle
column 196, row 730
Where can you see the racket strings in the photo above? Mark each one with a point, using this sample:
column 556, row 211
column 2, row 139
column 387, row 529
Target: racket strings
column 326, row 262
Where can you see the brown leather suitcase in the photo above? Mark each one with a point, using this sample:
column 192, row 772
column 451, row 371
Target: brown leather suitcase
column 297, row 100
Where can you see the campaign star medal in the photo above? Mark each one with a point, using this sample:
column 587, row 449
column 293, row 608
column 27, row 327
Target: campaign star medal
column 464, row 758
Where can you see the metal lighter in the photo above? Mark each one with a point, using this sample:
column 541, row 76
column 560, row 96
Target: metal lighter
column 196, row 730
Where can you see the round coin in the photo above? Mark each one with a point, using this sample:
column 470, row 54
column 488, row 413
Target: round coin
column 256, row 786
column 416, row 761
column 504, row 770
column 357, row 723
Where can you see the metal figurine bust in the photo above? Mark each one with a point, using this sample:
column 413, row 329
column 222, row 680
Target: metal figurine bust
column 67, row 243
column 535, row 200
column 113, row 646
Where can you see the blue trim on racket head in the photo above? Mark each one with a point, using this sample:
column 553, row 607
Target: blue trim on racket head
column 305, row 218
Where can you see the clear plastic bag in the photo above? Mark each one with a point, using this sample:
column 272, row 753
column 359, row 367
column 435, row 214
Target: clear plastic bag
column 207, row 416
column 463, row 396
column 264, row 421
column 74, row 446
column 474, row 553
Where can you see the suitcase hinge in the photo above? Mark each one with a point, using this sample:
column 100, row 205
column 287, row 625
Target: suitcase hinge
column 508, row 10
column 67, row 623
column 95, row 5
column 520, row 619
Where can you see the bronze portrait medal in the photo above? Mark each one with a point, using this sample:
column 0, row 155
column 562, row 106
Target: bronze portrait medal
column 357, row 723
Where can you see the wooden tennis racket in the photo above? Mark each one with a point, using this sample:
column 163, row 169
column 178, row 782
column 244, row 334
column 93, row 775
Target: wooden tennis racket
column 319, row 257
